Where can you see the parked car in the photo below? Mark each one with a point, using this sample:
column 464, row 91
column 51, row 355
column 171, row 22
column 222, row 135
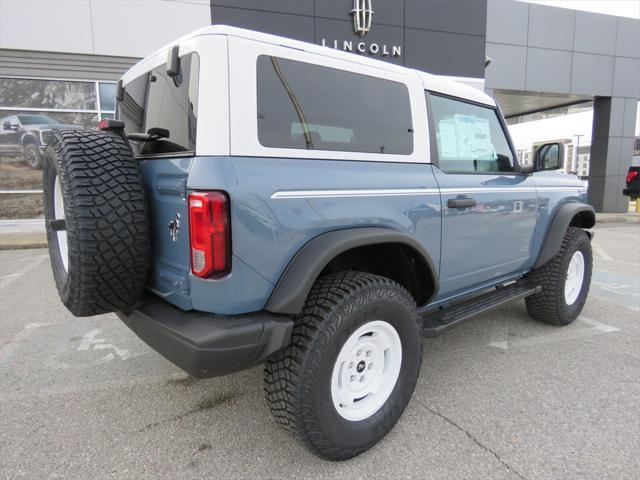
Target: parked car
column 632, row 189
column 261, row 200
column 28, row 135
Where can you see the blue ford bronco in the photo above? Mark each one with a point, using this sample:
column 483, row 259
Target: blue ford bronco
column 260, row 200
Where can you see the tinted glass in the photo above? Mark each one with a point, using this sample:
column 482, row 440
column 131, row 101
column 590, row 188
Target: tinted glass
column 469, row 137
column 306, row 106
column 156, row 100
column 31, row 93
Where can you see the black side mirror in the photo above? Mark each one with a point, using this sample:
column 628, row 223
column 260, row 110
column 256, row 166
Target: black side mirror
column 119, row 91
column 173, row 62
column 549, row 156
column 6, row 125
column 527, row 169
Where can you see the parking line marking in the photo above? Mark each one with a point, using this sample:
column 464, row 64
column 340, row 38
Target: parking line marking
column 600, row 251
column 20, row 337
column 501, row 340
column 15, row 276
column 499, row 333
column 603, row 327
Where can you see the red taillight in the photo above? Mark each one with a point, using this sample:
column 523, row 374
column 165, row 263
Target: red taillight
column 631, row 175
column 209, row 231
column 110, row 124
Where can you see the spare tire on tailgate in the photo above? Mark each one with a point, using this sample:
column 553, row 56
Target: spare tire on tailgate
column 96, row 220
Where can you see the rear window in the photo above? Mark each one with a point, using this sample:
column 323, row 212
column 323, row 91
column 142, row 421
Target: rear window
column 306, row 106
column 156, row 100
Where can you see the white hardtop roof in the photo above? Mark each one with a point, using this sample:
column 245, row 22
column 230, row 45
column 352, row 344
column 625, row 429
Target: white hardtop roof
column 431, row 82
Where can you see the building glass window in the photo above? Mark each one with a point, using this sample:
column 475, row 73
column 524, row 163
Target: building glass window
column 107, row 96
column 69, row 102
column 307, row 106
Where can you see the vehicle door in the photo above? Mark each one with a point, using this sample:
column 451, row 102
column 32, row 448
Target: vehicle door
column 488, row 208
column 9, row 135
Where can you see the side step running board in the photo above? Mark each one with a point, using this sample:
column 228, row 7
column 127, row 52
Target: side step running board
column 438, row 321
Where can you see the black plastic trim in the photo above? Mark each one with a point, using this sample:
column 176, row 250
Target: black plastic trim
column 291, row 291
column 558, row 229
column 441, row 320
column 204, row 344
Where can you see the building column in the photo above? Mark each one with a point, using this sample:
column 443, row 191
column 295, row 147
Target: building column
column 614, row 120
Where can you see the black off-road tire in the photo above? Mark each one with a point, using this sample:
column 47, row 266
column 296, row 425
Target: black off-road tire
column 32, row 156
column 107, row 225
column 297, row 381
column 549, row 306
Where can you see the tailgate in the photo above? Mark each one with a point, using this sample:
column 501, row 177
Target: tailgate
column 165, row 180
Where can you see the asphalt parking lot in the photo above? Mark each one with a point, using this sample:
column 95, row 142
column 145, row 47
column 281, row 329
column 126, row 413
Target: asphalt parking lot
column 500, row 397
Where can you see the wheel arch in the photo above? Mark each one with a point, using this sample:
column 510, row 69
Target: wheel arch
column 568, row 215
column 28, row 138
column 382, row 251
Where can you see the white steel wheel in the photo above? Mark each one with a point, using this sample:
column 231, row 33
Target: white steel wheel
column 575, row 278
column 366, row 370
column 58, row 208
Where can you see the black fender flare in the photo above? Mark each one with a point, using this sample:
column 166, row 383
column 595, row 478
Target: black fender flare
column 558, row 228
column 293, row 287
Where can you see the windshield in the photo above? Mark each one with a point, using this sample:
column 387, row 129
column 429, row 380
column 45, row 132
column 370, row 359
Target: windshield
column 36, row 120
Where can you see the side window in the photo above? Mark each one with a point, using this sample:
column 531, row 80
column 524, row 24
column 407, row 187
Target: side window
column 469, row 137
column 156, row 100
column 306, row 106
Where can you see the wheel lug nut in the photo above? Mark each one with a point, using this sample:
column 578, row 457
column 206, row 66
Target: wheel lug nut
column 368, row 353
column 362, row 379
column 352, row 378
column 350, row 365
column 370, row 366
column 359, row 353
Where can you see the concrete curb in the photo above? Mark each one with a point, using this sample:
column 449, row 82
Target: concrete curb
column 22, row 246
column 617, row 218
column 19, row 234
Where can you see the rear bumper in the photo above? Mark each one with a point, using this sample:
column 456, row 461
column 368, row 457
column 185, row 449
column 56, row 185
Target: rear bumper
column 631, row 192
column 206, row 345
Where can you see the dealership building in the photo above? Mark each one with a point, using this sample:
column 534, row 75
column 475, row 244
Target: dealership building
column 62, row 58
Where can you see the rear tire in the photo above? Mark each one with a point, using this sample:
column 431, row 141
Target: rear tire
column 352, row 365
column 99, row 244
column 565, row 281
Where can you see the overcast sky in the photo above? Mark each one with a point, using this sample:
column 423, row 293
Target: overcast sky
column 622, row 8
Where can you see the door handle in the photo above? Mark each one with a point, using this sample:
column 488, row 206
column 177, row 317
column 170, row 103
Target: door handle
column 461, row 202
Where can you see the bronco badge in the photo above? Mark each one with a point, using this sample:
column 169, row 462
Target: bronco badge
column 174, row 227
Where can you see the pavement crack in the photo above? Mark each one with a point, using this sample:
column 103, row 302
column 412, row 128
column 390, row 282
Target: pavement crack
column 206, row 404
column 473, row 439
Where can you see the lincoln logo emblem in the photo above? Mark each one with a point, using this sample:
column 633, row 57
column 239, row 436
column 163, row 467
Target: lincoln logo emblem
column 362, row 12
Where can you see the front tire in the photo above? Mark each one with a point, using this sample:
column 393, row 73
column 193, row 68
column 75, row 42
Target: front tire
column 32, row 156
column 352, row 365
column 565, row 281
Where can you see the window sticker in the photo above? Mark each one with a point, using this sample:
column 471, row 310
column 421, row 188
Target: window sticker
column 465, row 137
